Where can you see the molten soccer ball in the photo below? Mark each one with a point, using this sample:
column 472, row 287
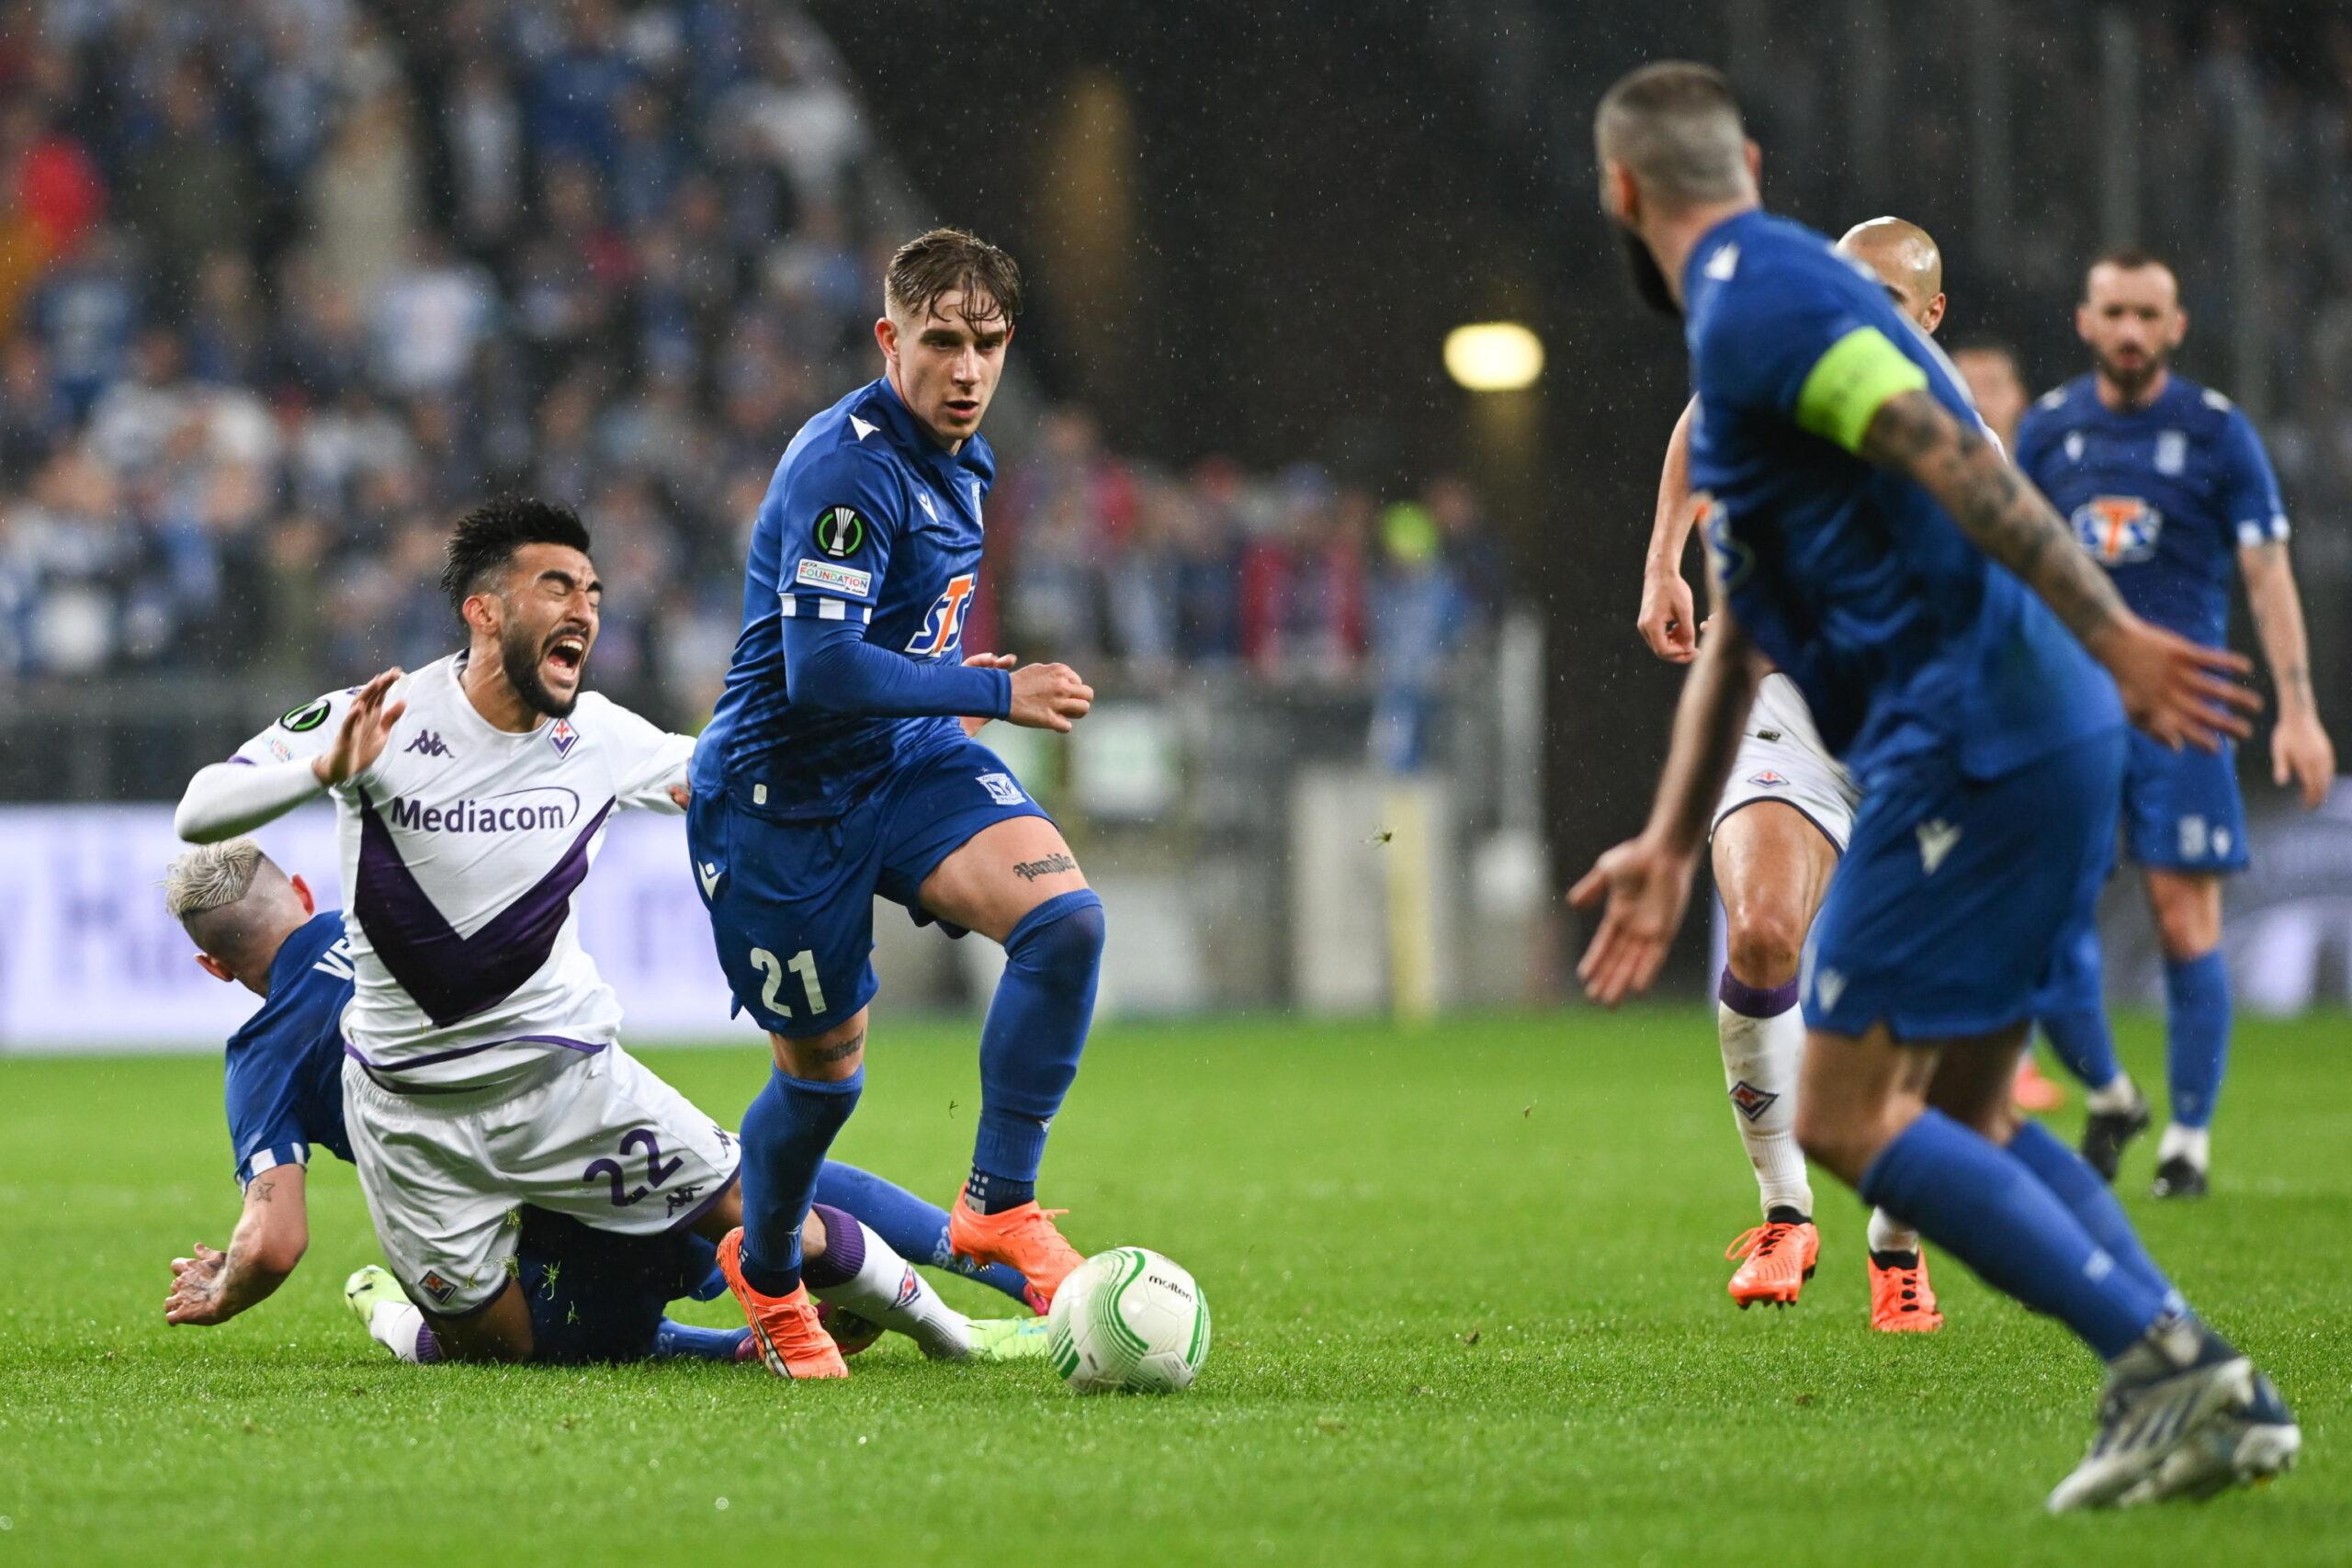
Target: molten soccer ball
column 1128, row 1320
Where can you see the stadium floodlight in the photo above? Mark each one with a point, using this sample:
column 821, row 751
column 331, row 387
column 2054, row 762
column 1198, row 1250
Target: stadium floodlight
column 1494, row 357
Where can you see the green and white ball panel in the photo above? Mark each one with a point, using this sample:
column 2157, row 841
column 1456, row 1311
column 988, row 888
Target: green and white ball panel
column 1128, row 1320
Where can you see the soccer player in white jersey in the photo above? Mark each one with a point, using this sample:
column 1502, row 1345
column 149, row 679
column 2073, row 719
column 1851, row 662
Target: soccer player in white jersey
column 1781, row 826
column 484, row 1068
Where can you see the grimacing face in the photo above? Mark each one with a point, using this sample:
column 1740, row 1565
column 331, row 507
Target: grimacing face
column 546, row 619
column 2131, row 321
column 945, row 366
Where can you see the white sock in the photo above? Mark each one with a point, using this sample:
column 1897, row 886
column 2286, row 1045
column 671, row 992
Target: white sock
column 2196, row 1143
column 399, row 1327
column 2116, row 1097
column 1891, row 1235
column 886, row 1290
column 1762, row 1060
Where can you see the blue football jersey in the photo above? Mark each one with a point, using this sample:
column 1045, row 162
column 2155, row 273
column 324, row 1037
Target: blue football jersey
column 2161, row 496
column 866, row 519
column 1905, row 638
column 283, row 1070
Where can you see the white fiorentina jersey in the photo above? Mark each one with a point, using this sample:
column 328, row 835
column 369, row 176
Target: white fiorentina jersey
column 462, row 845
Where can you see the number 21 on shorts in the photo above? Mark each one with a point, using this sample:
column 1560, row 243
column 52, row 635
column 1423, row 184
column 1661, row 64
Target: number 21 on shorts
column 803, row 964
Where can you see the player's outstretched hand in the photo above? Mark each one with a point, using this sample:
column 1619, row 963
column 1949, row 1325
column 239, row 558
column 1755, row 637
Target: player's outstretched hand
column 1049, row 697
column 1640, row 887
column 2177, row 690
column 973, row 726
column 196, row 1287
column 1669, row 620
column 367, row 726
column 2302, row 752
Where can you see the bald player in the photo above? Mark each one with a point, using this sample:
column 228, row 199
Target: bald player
column 1778, row 829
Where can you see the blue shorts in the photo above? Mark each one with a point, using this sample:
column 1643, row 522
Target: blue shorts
column 2182, row 810
column 1957, row 899
column 792, row 903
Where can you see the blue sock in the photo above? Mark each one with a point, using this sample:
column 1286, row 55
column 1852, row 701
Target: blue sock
column 787, row 1131
column 2197, row 1034
column 915, row 1227
column 2080, row 1038
column 684, row 1341
column 2077, row 1186
column 1037, row 1027
column 1986, row 1208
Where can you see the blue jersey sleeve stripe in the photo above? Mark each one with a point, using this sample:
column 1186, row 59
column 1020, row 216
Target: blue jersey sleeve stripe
column 270, row 1158
column 823, row 607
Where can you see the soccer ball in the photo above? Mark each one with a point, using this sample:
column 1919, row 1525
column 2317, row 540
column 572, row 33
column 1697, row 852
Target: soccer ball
column 1128, row 1320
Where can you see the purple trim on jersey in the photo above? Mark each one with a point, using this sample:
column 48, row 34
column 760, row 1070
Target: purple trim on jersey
column 706, row 1205
column 452, row 977
column 585, row 1048
column 243, row 762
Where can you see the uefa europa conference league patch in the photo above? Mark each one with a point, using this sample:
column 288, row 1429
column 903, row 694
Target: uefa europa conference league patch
column 840, row 532
column 309, row 715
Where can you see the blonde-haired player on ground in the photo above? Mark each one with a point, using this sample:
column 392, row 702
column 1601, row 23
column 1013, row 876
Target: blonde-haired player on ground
column 1779, row 827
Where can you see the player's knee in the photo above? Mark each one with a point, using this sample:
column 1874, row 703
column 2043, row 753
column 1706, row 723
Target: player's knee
column 1062, row 937
column 2185, row 931
column 1765, row 945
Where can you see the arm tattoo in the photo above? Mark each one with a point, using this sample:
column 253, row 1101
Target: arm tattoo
column 2001, row 514
column 259, row 1192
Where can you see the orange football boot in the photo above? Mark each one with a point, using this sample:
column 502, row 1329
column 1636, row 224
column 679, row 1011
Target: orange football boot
column 1902, row 1301
column 1023, row 1238
column 2034, row 1090
column 784, row 1328
column 1778, row 1258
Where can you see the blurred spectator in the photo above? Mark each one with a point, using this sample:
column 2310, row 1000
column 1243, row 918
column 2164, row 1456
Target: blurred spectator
column 1419, row 616
column 615, row 253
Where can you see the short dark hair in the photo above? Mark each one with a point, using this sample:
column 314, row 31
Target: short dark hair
column 1992, row 345
column 951, row 261
column 2127, row 258
column 486, row 538
column 1675, row 124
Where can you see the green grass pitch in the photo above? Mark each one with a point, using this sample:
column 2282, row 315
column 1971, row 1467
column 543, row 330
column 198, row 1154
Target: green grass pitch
column 1468, row 1302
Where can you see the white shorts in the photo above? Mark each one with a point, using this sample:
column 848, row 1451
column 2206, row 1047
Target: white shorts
column 597, row 1137
column 1781, row 758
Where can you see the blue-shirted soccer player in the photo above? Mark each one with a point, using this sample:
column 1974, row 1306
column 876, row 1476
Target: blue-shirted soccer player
column 834, row 769
column 592, row 1296
column 1858, row 513
column 2166, row 485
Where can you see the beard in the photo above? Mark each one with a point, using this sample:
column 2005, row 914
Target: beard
column 519, row 656
column 2131, row 381
column 1650, row 278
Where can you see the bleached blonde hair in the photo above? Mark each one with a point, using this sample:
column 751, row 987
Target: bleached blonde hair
column 211, row 876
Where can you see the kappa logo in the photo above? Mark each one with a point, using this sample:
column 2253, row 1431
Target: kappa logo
column 2118, row 529
column 428, row 743
column 1751, row 1101
column 1936, row 840
column 562, row 736
column 433, row 1285
column 943, row 628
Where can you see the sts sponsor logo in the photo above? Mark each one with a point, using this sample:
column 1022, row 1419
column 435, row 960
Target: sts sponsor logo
column 943, row 628
column 2118, row 529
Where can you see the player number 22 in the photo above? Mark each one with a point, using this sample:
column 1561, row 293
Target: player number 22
column 803, row 964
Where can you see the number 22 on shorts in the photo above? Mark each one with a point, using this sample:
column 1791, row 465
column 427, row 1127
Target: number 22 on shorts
column 803, row 964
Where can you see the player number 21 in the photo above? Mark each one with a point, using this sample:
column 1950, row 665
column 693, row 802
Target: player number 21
column 804, row 964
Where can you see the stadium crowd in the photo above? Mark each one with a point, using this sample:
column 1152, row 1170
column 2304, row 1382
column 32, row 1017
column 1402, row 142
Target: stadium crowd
column 289, row 281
